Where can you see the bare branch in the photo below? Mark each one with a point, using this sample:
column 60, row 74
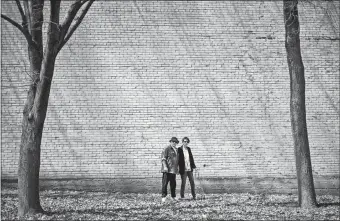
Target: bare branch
column 24, row 19
column 72, row 12
column 24, row 31
column 28, row 15
column 78, row 21
column 13, row 23
column 53, row 31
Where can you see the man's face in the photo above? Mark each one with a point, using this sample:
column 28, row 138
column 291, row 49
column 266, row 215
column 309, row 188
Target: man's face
column 173, row 144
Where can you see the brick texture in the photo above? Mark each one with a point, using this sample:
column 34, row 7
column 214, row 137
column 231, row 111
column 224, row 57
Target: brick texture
column 137, row 73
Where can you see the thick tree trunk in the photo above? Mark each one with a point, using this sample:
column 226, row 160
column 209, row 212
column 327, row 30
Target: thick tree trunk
column 306, row 189
column 42, row 68
column 29, row 166
column 35, row 109
column 29, row 156
column 32, row 129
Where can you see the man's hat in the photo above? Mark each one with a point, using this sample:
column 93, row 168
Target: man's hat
column 174, row 139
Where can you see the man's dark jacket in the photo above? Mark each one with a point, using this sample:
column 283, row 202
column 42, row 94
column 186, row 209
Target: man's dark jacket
column 181, row 162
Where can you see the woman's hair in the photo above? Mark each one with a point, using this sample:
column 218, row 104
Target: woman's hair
column 186, row 138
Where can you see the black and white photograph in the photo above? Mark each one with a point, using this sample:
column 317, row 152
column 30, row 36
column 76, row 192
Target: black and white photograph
column 170, row 110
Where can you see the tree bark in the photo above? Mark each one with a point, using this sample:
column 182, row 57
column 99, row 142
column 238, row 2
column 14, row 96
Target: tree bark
column 42, row 63
column 29, row 165
column 29, row 156
column 42, row 68
column 307, row 198
column 32, row 129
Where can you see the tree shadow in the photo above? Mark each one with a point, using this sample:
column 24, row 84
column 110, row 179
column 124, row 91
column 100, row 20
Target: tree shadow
column 103, row 212
column 295, row 204
column 328, row 204
column 283, row 204
column 199, row 198
column 11, row 195
column 86, row 211
column 75, row 194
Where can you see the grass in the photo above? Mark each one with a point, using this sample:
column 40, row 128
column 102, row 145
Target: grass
column 82, row 205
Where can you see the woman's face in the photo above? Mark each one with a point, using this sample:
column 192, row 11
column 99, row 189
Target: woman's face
column 185, row 143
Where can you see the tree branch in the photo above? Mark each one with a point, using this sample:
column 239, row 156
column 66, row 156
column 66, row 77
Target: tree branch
column 53, row 31
column 75, row 26
column 72, row 12
column 28, row 15
column 24, row 31
column 24, row 19
column 13, row 23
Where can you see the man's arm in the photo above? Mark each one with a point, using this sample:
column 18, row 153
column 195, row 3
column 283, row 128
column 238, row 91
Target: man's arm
column 164, row 156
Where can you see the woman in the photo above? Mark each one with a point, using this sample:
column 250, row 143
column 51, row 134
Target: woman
column 186, row 165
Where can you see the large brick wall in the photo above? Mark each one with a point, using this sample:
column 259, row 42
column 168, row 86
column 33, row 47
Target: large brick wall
column 137, row 73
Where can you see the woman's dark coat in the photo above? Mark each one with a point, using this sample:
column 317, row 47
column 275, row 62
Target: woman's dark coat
column 181, row 162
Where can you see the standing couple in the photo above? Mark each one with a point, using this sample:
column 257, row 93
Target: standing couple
column 176, row 160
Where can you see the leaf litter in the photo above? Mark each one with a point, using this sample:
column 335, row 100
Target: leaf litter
column 83, row 205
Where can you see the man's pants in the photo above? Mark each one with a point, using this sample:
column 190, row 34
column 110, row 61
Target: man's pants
column 166, row 178
column 192, row 183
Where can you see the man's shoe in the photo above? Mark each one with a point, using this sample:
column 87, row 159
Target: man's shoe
column 163, row 199
column 174, row 199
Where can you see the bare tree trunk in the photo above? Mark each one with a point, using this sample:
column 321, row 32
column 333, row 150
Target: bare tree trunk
column 306, row 189
column 42, row 64
column 32, row 129
column 42, row 68
column 29, row 166
column 29, row 156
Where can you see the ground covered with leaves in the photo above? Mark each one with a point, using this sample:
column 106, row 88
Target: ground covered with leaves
column 82, row 205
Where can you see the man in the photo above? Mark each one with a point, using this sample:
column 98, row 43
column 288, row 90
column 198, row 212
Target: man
column 169, row 168
column 186, row 165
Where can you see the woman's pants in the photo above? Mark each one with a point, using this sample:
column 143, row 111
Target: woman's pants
column 192, row 183
column 169, row 177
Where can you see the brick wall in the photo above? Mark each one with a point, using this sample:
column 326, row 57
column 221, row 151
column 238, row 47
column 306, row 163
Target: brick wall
column 135, row 74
